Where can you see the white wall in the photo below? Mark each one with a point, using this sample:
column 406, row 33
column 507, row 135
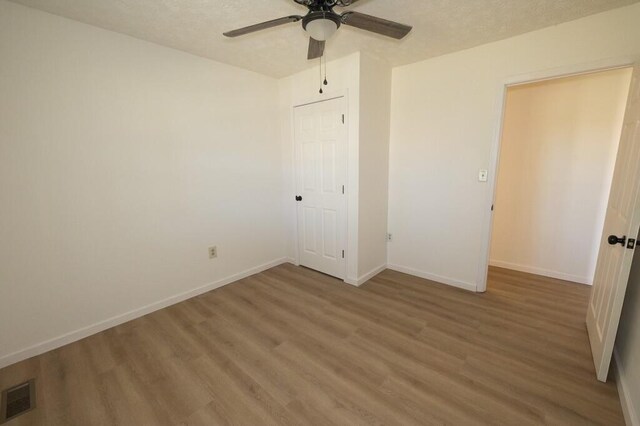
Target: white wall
column 445, row 115
column 627, row 349
column 375, row 101
column 343, row 76
column 558, row 152
column 120, row 163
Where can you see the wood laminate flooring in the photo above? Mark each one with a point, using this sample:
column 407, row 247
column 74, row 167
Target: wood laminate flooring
column 291, row 346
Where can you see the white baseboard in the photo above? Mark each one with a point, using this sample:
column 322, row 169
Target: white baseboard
column 366, row 277
column 81, row 333
column 629, row 409
column 543, row 272
column 351, row 281
column 434, row 277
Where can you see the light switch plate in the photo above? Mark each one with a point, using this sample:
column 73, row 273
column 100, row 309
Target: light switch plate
column 483, row 175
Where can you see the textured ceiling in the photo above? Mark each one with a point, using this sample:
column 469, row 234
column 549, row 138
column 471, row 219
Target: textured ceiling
column 440, row 26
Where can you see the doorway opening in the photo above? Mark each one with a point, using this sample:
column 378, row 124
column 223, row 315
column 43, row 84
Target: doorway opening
column 577, row 187
column 557, row 157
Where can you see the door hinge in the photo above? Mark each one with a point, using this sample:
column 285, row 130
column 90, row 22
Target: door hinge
column 343, row 254
column 342, row 189
column 342, row 118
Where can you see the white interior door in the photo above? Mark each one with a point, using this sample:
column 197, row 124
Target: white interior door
column 321, row 173
column 622, row 221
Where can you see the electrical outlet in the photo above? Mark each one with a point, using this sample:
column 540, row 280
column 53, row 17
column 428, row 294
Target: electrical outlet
column 213, row 252
column 389, row 237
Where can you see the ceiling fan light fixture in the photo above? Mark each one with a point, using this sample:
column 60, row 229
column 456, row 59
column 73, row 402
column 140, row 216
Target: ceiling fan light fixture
column 321, row 26
column 321, row 29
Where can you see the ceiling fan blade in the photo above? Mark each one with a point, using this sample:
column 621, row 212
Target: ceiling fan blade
column 262, row 26
column 316, row 48
column 376, row 25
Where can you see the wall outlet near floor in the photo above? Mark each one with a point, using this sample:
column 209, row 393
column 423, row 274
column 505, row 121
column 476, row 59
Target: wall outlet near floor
column 389, row 237
column 213, row 252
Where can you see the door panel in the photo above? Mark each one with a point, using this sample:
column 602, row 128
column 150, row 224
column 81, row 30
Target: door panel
column 309, row 229
column 308, row 166
column 622, row 219
column 329, row 168
column 329, row 233
column 321, row 171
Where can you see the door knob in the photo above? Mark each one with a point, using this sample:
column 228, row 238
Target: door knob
column 613, row 240
column 298, row 197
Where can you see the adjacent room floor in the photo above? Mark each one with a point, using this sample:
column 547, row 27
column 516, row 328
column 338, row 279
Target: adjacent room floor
column 293, row 346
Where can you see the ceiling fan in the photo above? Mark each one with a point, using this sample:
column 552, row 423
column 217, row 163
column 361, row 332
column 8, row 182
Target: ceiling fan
column 321, row 22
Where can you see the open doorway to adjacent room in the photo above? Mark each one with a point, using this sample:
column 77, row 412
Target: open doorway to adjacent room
column 557, row 157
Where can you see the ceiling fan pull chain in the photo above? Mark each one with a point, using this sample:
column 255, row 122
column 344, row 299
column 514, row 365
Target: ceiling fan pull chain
column 321, row 91
column 325, row 82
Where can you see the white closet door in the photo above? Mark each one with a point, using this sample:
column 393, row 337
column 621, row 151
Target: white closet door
column 321, row 173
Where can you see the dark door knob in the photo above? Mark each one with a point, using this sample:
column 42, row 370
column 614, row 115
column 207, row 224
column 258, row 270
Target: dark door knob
column 298, row 197
column 613, row 240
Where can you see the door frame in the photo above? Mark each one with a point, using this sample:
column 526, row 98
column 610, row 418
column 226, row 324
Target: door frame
column 494, row 161
column 350, row 249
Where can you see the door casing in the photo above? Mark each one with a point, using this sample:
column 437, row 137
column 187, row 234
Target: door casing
column 487, row 227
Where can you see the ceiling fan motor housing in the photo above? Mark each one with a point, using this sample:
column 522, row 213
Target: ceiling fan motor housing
column 326, row 4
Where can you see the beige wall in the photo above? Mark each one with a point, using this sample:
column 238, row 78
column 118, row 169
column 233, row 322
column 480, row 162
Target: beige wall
column 121, row 162
column 445, row 115
column 558, row 151
column 375, row 98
